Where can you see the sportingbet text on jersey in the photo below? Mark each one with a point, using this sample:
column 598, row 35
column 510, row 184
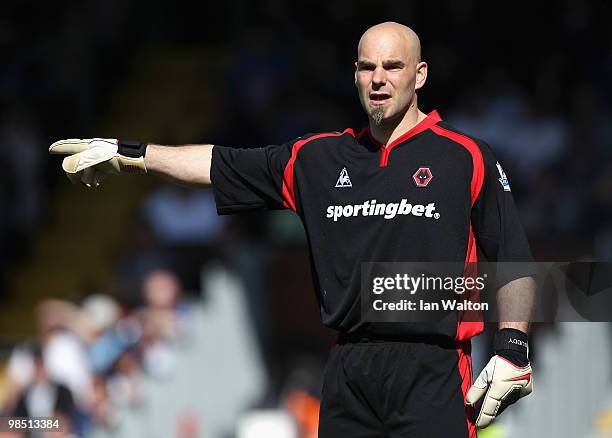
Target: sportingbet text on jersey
column 388, row 210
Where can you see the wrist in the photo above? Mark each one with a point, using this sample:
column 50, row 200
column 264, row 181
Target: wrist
column 131, row 156
column 131, row 149
column 512, row 344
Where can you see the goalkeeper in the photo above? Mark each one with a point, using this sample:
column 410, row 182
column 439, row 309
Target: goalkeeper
column 381, row 379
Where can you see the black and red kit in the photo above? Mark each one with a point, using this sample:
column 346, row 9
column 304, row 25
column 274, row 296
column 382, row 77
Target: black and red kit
column 434, row 194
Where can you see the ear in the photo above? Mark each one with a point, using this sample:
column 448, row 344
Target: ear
column 421, row 75
column 355, row 73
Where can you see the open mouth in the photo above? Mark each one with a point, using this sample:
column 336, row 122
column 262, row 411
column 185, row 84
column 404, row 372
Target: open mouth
column 379, row 98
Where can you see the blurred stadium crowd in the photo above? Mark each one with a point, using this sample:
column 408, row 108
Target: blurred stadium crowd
column 84, row 364
column 535, row 86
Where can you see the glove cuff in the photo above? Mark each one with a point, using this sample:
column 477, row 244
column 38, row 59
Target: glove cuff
column 131, row 149
column 130, row 157
column 512, row 344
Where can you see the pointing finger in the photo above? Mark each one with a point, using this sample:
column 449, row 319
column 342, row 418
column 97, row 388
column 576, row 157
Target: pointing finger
column 69, row 146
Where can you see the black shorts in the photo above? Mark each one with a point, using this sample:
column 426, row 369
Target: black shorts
column 383, row 389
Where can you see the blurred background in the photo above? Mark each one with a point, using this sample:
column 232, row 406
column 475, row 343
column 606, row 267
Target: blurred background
column 135, row 311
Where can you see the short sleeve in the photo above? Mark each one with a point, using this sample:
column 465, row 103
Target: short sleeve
column 495, row 222
column 249, row 179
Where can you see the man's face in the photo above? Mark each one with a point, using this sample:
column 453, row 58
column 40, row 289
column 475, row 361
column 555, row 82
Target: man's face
column 387, row 75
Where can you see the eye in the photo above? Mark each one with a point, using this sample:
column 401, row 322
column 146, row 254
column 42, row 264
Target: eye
column 394, row 67
column 362, row 66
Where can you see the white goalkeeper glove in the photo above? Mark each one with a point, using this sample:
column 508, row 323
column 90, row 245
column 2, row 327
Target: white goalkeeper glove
column 90, row 159
column 505, row 379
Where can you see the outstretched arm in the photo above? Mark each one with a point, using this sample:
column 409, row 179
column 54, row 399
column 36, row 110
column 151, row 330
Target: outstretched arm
column 88, row 160
column 188, row 164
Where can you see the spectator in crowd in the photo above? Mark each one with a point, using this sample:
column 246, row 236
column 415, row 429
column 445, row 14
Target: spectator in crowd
column 164, row 320
column 44, row 397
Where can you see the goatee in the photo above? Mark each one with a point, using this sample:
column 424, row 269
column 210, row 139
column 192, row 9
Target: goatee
column 377, row 115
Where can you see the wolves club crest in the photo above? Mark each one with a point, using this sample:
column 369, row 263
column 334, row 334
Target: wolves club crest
column 422, row 176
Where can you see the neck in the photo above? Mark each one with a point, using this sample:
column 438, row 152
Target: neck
column 390, row 130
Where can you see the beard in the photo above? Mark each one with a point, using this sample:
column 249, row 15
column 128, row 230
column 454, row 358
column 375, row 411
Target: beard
column 377, row 115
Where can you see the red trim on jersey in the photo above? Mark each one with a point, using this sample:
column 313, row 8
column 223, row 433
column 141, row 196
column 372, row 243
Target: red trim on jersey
column 475, row 321
column 474, row 150
column 384, row 156
column 288, row 189
column 429, row 121
column 464, row 364
column 475, row 325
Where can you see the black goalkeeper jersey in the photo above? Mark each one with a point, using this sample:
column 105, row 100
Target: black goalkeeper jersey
column 433, row 194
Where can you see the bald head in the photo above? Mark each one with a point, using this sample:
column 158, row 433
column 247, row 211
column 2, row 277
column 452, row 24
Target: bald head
column 388, row 72
column 393, row 34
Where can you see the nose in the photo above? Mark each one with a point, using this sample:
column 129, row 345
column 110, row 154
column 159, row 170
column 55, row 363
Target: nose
column 379, row 78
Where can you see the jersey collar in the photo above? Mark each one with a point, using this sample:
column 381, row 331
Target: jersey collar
column 431, row 119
